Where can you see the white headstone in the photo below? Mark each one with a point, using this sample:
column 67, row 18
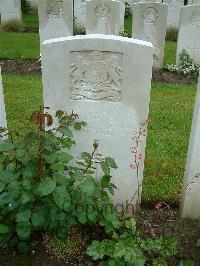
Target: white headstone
column 106, row 80
column 190, row 205
column 55, row 19
column 103, row 17
column 193, row 2
column 10, row 10
column 189, row 32
column 3, row 122
column 80, row 12
column 149, row 24
column 174, row 11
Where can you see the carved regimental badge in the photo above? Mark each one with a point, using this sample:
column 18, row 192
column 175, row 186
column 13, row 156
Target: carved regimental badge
column 83, row 7
column 96, row 75
column 102, row 12
column 150, row 15
column 55, row 8
column 195, row 18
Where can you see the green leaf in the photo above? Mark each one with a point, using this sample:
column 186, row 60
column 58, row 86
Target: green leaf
column 4, row 229
column 27, row 184
column 26, row 197
column 78, row 176
column 59, row 114
column 82, row 217
column 23, row 247
column 76, row 197
column 61, row 180
column 6, row 176
column 65, row 131
column 66, row 205
column 111, row 162
column 96, row 250
column 2, row 186
column 5, row 147
column 38, row 219
column 4, row 198
column 187, row 263
column 64, row 157
column 23, row 230
column 105, row 167
column 92, row 216
column 58, row 167
column 46, row 186
column 87, row 188
column 78, row 125
column 105, row 181
column 14, row 189
column 23, row 216
column 61, row 195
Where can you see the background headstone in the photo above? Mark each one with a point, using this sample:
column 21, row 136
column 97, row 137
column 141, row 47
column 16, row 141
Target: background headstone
column 33, row 3
column 106, row 80
column 189, row 32
column 149, row 24
column 80, row 12
column 190, row 205
column 55, row 19
column 10, row 10
column 174, row 12
column 193, row 2
column 103, row 17
column 3, row 122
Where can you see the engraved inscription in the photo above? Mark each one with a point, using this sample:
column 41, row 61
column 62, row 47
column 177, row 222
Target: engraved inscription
column 83, row 7
column 102, row 12
column 96, row 75
column 150, row 15
column 195, row 18
column 55, row 9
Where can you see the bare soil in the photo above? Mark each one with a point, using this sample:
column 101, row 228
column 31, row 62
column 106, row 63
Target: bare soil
column 33, row 67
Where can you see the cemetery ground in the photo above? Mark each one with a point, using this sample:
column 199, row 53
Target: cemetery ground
column 171, row 109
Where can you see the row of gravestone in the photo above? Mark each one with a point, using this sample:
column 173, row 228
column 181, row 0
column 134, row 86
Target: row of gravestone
column 173, row 14
column 149, row 22
column 103, row 17
column 106, row 80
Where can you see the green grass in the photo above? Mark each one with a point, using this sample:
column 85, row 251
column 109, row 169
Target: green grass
column 23, row 95
column 170, row 121
column 31, row 20
column 15, row 45
column 170, row 53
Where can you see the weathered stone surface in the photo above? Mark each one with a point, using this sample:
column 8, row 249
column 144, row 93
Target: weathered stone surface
column 3, row 122
column 174, row 11
column 80, row 12
column 103, row 17
column 149, row 24
column 10, row 10
column 33, row 3
column 55, row 19
column 106, row 80
column 189, row 32
column 190, row 205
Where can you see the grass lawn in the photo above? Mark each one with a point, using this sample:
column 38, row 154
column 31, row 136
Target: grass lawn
column 31, row 20
column 14, row 45
column 26, row 46
column 170, row 115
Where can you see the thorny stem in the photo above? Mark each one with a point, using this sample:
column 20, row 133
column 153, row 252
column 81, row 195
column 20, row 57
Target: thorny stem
column 95, row 147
